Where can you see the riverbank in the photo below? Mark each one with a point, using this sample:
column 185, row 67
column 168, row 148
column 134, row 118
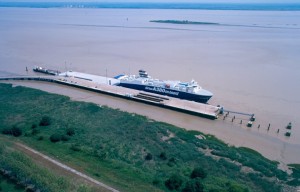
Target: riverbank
column 230, row 132
column 142, row 151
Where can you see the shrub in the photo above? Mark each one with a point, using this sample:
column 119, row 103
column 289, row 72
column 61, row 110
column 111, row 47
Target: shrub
column 28, row 134
column 294, row 182
column 45, row 121
column 34, row 131
column 148, row 156
column 75, row 147
column 156, row 181
column 174, row 182
column 33, row 126
column 163, row 156
column 15, row 131
column 171, row 162
column 6, row 131
column 70, row 131
column 193, row 185
column 234, row 187
column 198, row 172
column 65, row 138
column 55, row 138
column 40, row 138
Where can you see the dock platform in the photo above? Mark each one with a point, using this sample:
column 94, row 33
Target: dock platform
column 108, row 86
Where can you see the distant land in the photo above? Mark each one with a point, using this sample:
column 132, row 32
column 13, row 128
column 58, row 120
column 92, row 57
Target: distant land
column 185, row 22
column 201, row 6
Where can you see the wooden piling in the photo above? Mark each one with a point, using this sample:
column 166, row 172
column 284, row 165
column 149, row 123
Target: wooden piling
column 289, row 126
column 249, row 124
column 287, row 134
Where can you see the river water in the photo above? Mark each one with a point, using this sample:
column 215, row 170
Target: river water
column 249, row 61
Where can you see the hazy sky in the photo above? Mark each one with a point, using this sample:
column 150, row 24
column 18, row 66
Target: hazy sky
column 163, row 1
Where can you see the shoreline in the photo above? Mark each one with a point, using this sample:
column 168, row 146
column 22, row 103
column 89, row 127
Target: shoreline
column 143, row 148
column 274, row 148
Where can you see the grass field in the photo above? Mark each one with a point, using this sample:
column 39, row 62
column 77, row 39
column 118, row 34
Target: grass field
column 20, row 173
column 7, row 185
column 131, row 152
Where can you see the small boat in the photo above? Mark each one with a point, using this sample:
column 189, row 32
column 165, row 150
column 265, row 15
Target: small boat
column 46, row 71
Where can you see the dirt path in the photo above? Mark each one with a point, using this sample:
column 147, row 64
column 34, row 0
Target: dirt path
column 62, row 168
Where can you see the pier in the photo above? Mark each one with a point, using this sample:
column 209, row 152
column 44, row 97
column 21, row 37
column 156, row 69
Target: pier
column 239, row 113
column 105, row 85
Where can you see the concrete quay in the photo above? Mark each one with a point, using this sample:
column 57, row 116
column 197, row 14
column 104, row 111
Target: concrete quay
column 105, row 85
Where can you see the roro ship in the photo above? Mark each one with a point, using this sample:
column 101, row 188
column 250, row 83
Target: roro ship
column 182, row 90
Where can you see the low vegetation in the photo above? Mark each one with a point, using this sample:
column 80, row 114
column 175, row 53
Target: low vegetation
column 23, row 173
column 131, row 152
column 185, row 22
column 14, row 130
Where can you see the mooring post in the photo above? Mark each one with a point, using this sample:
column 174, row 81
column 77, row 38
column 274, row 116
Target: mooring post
column 241, row 122
column 289, row 126
column 258, row 126
column 277, row 130
column 234, row 117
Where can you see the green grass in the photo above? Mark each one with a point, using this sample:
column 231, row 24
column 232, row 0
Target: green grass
column 26, row 173
column 7, row 185
column 296, row 166
column 111, row 145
